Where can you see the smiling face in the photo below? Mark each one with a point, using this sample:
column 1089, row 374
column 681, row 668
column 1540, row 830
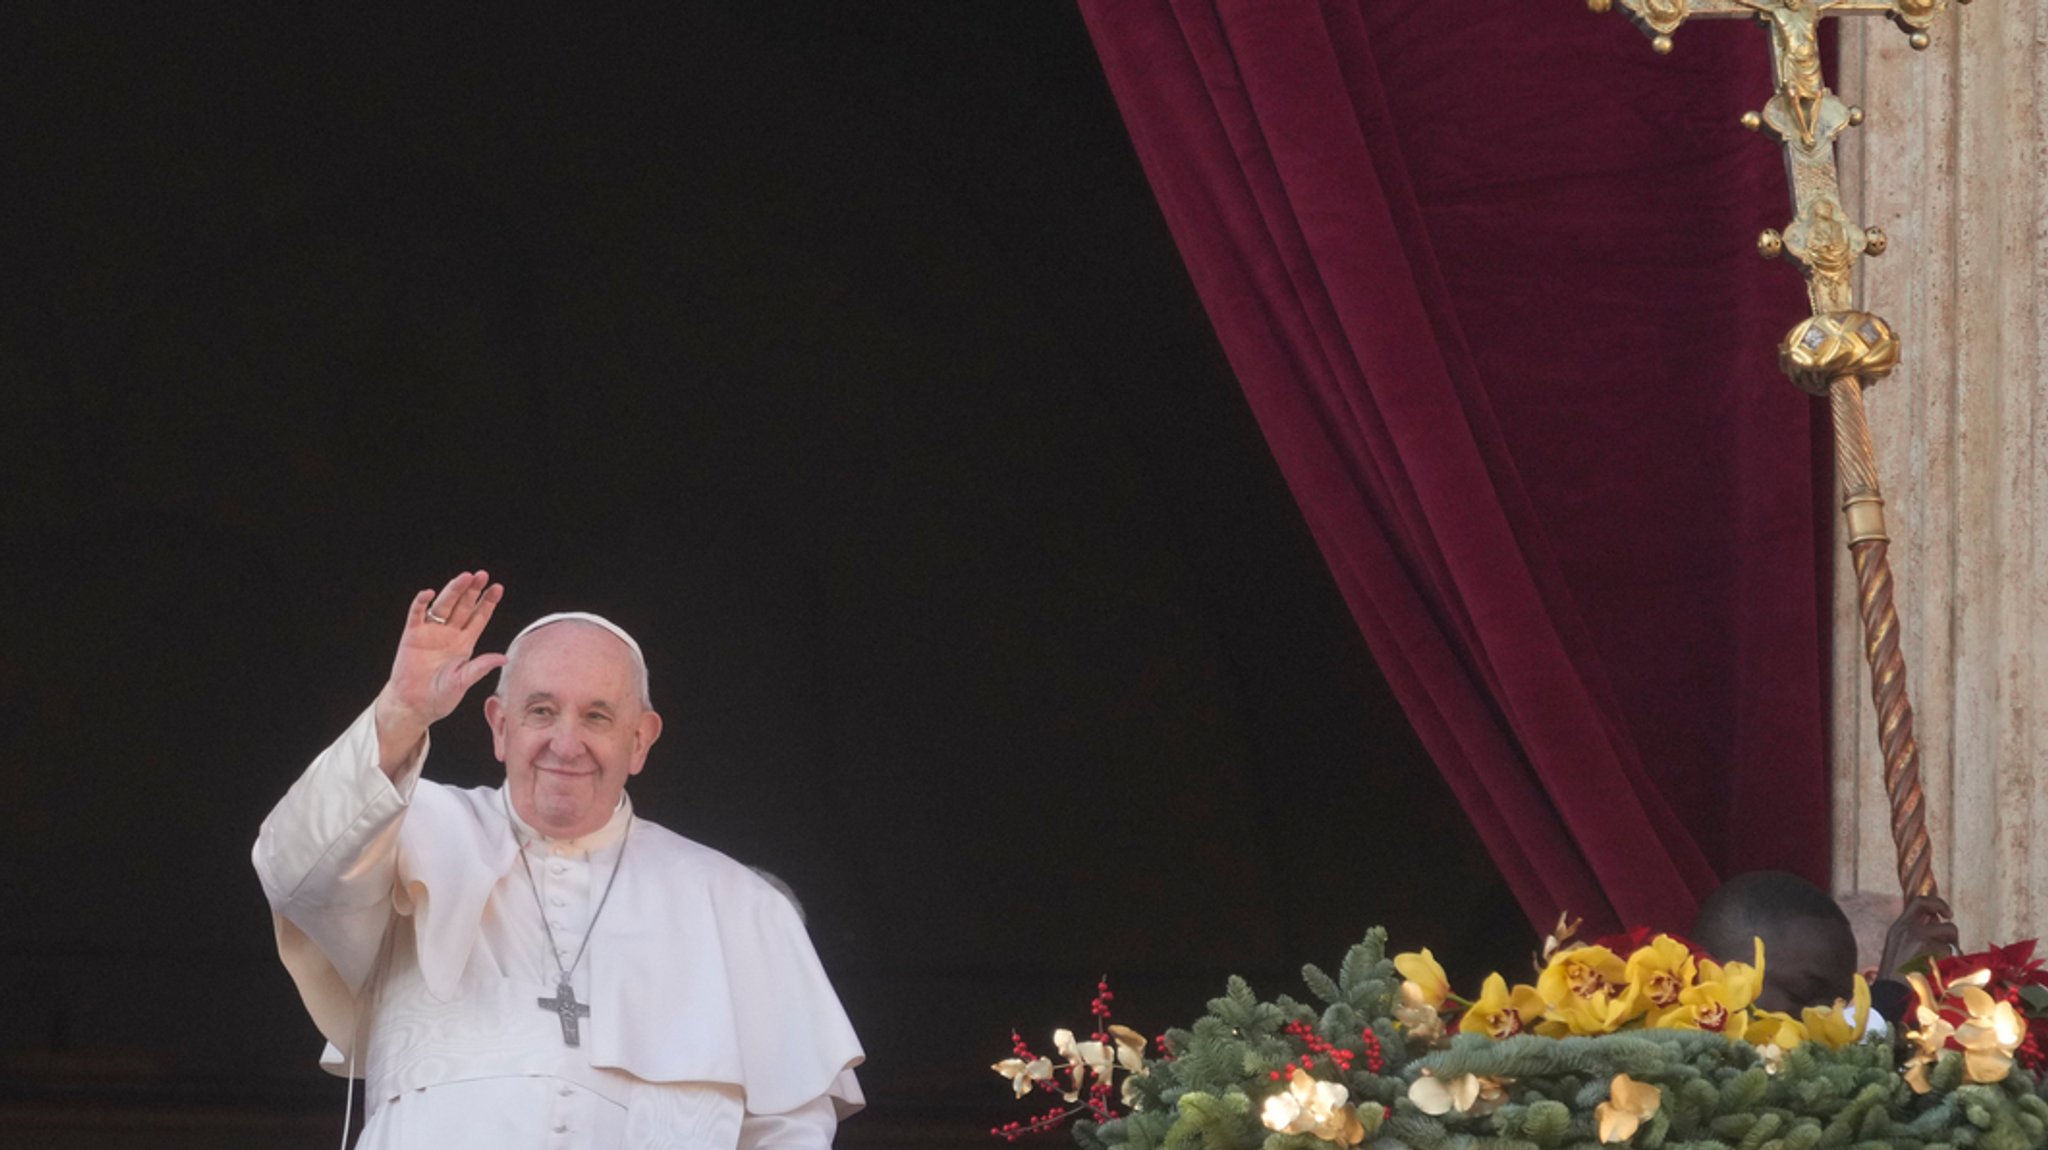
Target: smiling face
column 568, row 723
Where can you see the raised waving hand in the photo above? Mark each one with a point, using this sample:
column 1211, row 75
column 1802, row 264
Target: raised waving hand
column 436, row 664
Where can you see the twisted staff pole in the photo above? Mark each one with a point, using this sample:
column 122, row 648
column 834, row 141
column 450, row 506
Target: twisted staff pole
column 1834, row 355
column 1839, row 351
column 1854, row 462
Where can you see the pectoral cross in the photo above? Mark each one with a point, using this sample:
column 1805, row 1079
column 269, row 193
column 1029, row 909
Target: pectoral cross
column 1839, row 350
column 568, row 1010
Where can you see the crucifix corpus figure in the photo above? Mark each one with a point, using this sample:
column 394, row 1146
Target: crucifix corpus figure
column 1839, row 350
column 424, row 922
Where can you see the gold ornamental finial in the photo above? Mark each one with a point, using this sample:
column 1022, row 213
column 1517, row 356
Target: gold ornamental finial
column 1825, row 348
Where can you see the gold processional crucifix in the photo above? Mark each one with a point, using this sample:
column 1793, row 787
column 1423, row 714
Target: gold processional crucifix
column 1839, row 350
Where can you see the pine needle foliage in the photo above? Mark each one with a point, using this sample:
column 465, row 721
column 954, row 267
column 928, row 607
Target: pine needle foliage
column 1207, row 1091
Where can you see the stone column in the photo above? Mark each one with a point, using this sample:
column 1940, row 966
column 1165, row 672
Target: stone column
column 1950, row 163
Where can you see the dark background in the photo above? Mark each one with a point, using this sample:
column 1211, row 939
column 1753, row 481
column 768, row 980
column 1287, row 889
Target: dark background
column 835, row 349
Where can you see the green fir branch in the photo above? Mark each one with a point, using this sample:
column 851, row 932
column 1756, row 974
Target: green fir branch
column 1208, row 1122
column 1321, row 985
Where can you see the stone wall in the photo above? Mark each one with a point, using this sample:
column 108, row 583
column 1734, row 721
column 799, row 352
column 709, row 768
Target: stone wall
column 1950, row 163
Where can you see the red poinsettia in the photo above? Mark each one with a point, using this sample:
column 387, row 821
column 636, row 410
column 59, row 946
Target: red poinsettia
column 2013, row 964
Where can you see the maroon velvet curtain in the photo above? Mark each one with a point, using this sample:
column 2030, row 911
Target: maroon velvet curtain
column 1485, row 271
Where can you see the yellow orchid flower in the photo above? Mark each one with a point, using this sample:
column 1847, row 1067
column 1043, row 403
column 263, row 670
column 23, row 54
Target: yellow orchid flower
column 1774, row 1035
column 1473, row 1094
column 1424, row 973
column 1600, row 1014
column 1501, row 1013
column 1720, row 1000
column 1586, row 991
column 1580, row 973
column 1663, row 969
column 1771, row 1028
column 1418, row 1008
column 1744, row 980
column 1836, row 1027
column 1629, row 1104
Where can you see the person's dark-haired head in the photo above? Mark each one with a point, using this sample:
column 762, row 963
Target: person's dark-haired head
column 1809, row 950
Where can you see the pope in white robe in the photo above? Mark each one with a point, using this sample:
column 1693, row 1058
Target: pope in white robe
column 533, row 965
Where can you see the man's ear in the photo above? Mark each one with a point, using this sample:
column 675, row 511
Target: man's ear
column 494, row 714
column 645, row 732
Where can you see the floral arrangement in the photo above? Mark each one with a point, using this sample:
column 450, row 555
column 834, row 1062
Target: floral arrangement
column 1585, row 989
column 1639, row 1041
column 2009, row 974
column 1991, row 1007
column 1084, row 1079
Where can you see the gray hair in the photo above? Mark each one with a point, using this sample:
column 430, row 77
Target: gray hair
column 589, row 620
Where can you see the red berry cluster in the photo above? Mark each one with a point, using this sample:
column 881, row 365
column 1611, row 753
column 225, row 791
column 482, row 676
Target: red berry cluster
column 1098, row 1095
column 1317, row 1047
column 2030, row 1054
column 1050, row 1120
column 1375, row 1057
column 1099, row 1007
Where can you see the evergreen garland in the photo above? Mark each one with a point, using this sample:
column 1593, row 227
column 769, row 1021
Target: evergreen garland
column 1207, row 1090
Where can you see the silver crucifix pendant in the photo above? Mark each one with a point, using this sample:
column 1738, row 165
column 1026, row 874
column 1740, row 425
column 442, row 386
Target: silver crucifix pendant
column 568, row 1010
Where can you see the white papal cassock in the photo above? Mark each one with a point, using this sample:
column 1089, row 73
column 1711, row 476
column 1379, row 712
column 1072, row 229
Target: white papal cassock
column 416, row 941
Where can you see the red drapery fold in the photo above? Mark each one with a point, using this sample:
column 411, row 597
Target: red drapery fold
column 1483, row 271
